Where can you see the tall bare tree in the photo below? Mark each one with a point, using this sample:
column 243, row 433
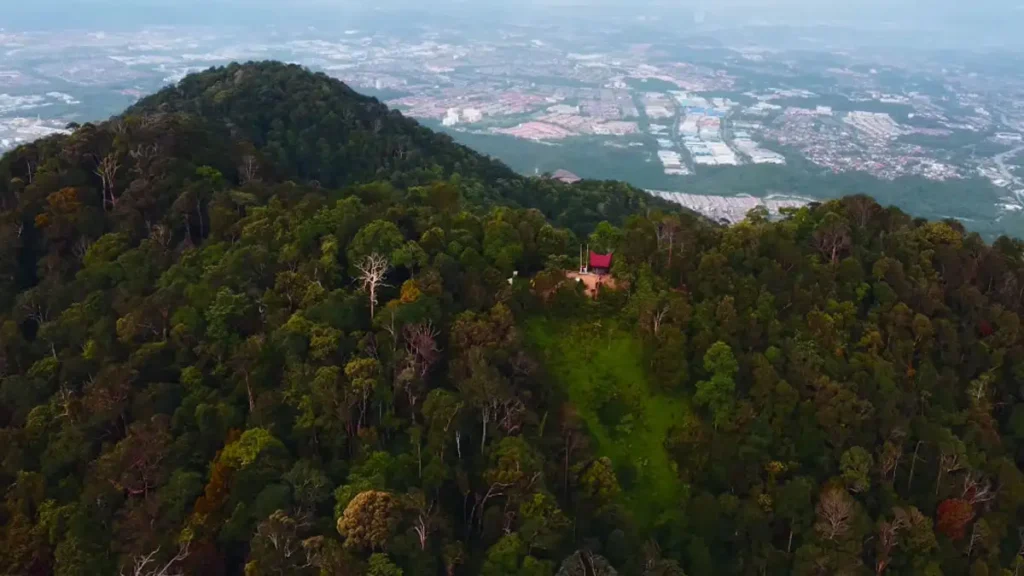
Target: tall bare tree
column 144, row 155
column 861, row 209
column 977, row 489
column 835, row 511
column 146, row 564
column 658, row 318
column 832, row 238
column 107, row 170
column 949, row 461
column 425, row 519
column 889, row 459
column 888, row 533
column 421, row 345
column 421, row 353
column 372, row 271
column 30, row 170
column 666, row 232
column 978, row 535
column 249, row 169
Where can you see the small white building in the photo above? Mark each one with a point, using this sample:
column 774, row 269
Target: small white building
column 451, row 118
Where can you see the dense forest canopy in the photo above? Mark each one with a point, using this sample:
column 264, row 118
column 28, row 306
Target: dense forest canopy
column 260, row 324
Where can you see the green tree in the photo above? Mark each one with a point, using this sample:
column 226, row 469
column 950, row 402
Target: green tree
column 504, row 557
column 378, row 237
column 605, row 238
column 856, row 465
column 542, row 523
column 596, row 483
column 381, row 565
column 718, row 393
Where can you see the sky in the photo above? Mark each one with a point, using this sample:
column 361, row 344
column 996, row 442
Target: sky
column 969, row 22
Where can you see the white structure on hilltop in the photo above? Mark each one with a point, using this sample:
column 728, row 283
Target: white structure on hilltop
column 451, row 118
column 730, row 209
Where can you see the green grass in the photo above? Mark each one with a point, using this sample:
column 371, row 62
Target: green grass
column 601, row 369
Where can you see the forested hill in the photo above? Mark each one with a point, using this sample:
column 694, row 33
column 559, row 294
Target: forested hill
column 310, row 127
column 233, row 341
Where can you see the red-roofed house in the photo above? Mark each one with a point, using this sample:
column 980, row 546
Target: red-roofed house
column 594, row 272
column 600, row 263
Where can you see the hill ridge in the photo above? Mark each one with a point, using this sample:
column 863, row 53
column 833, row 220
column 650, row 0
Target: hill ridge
column 214, row 94
column 371, row 142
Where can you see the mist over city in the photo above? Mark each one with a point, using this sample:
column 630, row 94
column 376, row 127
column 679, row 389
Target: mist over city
column 934, row 23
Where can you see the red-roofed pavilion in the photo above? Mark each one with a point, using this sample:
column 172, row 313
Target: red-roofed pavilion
column 600, row 263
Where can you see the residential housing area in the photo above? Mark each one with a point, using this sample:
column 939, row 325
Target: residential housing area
column 627, row 102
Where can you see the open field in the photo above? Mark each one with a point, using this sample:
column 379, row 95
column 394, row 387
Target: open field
column 602, row 370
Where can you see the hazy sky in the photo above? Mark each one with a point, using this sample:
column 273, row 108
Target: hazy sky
column 985, row 22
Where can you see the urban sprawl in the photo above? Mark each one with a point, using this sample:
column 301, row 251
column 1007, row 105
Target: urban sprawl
column 686, row 116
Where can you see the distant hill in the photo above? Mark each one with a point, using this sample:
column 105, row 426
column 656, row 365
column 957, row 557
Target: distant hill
column 313, row 127
column 310, row 127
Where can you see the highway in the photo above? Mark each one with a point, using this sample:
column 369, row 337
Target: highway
column 1000, row 161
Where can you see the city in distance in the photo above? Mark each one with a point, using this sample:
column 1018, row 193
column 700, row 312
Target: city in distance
column 717, row 108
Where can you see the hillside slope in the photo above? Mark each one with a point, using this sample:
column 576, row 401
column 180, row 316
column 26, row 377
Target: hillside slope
column 213, row 363
column 310, row 127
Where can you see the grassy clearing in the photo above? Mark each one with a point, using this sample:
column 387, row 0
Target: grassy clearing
column 601, row 368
